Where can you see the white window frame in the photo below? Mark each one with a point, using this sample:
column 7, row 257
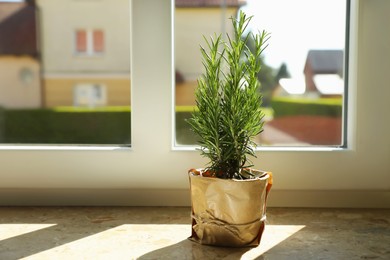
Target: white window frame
column 153, row 172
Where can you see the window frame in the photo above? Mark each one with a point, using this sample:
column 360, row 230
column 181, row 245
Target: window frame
column 153, row 172
column 344, row 114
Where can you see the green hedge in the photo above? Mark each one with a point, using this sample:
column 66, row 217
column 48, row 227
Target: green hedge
column 184, row 136
column 287, row 106
column 66, row 126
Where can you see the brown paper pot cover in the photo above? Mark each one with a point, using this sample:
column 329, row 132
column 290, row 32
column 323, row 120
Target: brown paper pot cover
column 228, row 212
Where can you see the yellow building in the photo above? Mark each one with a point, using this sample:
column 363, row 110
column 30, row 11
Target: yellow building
column 85, row 52
column 193, row 20
column 19, row 56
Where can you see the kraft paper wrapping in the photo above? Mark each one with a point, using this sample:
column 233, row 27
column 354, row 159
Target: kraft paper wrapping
column 228, row 212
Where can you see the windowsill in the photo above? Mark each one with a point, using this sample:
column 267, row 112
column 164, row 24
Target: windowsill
column 56, row 147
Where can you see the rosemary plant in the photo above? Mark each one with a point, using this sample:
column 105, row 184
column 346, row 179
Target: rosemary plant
column 229, row 101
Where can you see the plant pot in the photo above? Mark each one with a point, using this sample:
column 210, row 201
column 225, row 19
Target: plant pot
column 228, row 212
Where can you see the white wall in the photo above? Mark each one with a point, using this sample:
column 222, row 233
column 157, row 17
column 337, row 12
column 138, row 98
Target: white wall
column 152, row 173
column 191, row 24
column 59, row 20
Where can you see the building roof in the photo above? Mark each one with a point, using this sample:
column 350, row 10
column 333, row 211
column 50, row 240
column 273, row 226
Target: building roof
column 18, row 33
column 209, row 3
column 329, row 84
column 325, row 61
column 293, row 86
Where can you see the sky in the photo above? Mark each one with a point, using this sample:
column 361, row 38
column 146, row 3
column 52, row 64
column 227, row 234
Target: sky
column 296, row 27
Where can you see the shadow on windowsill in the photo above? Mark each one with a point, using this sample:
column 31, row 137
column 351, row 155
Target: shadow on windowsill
column 187, row 249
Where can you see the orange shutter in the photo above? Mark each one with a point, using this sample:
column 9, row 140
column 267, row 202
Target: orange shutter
column 81, row 41
column 98, row 41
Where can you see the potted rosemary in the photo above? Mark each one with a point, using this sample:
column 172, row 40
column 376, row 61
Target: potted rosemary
column 229, row 197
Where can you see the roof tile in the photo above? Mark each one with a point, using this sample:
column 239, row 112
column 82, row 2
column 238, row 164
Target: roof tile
column 18, row 34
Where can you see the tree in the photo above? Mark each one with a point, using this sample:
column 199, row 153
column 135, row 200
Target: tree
column 282, row 73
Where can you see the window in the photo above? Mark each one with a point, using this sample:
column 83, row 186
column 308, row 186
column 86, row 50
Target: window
column 89, row 42
column 49, row 95
column 153, row 172
column 90, row 95
column 302, row 76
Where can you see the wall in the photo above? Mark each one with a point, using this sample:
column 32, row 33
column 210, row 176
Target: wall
column 60, row 19
column 14, row 93
column 190, row 26
column 152, row 172
column 59, row 89
column 63, row 68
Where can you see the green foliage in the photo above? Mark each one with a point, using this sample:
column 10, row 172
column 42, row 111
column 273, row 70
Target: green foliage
column 93, row 109
column 229, row 101
column 266, row 75
column 66, row 126
column 287, row 106
column 184, row 135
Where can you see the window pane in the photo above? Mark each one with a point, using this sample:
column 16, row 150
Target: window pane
column 302, row 76
column 61, row 81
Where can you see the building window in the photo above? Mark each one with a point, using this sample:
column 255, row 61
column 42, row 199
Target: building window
column 89, row 42
column 90, row 95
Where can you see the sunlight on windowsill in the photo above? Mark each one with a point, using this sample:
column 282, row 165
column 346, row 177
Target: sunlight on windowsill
column 13, row 230
column 142, row 241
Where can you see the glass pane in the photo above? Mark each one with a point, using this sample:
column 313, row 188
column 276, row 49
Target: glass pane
column 303, row 66
column 65, row 79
